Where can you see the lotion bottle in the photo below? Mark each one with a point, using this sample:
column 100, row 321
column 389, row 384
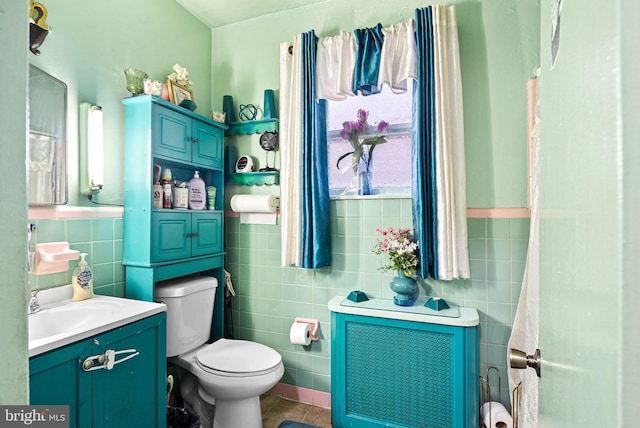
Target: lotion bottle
column 82, row 280
column 197, row 195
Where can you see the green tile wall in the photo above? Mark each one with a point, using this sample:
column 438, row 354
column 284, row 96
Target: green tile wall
column 100, row 238
column 271, row 296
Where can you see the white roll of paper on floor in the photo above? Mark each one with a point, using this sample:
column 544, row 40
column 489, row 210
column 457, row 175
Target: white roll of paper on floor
column 495, row 415
column 300, row 333
column 256, row 209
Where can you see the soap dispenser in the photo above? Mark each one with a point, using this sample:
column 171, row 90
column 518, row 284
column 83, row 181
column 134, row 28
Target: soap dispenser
column 82, row 280
column 197, row 195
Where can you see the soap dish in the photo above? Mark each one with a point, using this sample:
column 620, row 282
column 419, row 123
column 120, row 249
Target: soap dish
column 437, row 304
column 357, row 296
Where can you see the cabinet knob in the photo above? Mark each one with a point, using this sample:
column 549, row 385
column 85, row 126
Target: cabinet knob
column 195, row 235
column 195, row 140
column 87, row 364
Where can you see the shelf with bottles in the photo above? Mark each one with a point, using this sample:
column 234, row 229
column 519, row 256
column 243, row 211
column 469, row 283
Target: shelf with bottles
column 257, row 178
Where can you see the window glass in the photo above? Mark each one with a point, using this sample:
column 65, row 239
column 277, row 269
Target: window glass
column 391, row 163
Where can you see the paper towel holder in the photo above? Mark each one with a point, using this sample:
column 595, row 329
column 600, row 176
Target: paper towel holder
column 314, row 325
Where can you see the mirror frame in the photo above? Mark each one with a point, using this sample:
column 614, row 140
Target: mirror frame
column 58, row 131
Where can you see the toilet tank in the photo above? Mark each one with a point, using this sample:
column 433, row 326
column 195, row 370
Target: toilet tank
column 189, row 303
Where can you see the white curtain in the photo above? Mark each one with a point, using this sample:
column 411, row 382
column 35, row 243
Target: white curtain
column 335, row 62
column 398, row 59
column 524, row 333
column 290, row 150
column 453, row 252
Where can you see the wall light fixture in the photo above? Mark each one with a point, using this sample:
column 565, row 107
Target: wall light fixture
column 91, row 148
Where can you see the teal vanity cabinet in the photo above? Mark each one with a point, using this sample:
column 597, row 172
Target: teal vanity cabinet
column 159, row 243
column 402, row 366
column 129, row 393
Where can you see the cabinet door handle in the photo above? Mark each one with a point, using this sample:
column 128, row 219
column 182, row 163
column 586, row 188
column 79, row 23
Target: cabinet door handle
column 195, row 235
column 195, row 140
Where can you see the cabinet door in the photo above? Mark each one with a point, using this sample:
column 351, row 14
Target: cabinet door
column 208, row 143
column 172, row 134
column 129, row 395
column 126, row 395
column 56, row 378
column 207, row 237
column 171, row 235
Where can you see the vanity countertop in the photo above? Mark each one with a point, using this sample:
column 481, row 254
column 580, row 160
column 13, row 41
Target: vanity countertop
column 61, row 321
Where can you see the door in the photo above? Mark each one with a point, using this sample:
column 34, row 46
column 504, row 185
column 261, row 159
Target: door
column 207, row 233
column 208, row 144
column 172, row 134
column 583, row 241
column 171, row 236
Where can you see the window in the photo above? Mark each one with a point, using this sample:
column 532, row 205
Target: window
column 391, row 163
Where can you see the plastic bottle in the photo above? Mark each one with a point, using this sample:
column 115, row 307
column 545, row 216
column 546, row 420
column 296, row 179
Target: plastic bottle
column 82, row 280
column 166, row 188
column 197, row 195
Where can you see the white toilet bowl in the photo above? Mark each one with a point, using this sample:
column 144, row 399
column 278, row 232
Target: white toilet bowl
column 232, row 374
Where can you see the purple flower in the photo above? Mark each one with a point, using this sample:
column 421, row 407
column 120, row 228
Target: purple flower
column 362, row 115
column 382, row 125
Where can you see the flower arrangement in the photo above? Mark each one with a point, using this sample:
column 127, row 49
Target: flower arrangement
column 401, row 249
column 352, row 132
column 180, row 75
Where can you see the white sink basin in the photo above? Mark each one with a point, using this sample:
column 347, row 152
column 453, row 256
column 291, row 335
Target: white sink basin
column 61, row 321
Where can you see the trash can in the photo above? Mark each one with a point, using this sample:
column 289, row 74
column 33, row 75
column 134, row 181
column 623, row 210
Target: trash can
column 179, row 417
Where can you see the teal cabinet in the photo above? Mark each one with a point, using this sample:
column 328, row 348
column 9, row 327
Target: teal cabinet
column 186, row 138
column 160, row 243
column 131, row 393
column 183, row 234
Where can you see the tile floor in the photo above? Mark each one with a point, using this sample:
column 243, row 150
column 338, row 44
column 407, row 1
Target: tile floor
column 277, row 409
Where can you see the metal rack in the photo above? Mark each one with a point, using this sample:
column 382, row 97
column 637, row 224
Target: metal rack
column 485, row 396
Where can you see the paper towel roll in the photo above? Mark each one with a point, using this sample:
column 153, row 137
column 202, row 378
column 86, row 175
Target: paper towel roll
column 254, row 203
column 500, row 417
column 300, row 333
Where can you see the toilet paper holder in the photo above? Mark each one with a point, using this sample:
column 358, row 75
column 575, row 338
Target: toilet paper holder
column 314, row 324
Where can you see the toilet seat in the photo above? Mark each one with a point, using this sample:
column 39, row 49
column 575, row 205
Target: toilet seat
column 227, row 357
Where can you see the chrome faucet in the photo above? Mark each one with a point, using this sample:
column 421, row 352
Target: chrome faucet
column 34, row 304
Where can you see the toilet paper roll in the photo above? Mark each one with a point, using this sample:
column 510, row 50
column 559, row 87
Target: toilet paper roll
column 300, row 333
column 495, row 415
column 254, row 203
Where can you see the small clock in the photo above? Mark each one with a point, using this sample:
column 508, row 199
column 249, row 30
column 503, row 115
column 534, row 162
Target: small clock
column 268, row 143
column 244, row 164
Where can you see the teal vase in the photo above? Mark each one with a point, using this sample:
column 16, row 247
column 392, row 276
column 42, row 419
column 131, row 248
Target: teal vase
column 406, row 289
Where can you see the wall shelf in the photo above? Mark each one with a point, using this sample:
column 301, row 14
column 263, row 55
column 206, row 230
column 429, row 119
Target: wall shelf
column 251, row 127
column 255, row 178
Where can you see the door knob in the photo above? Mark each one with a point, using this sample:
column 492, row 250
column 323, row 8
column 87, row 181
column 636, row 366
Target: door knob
column 520, row 360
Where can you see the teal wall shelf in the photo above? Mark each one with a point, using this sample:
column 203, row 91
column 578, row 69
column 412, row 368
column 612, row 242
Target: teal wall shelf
column 255, row 178
column 251, row 127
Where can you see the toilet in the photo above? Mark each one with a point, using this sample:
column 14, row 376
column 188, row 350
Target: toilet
column 228, row 374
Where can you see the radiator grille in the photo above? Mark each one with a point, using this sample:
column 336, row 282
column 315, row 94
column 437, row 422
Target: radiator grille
column 399, row 375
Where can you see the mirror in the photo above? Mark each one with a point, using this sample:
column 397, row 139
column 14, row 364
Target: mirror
column 47, row 150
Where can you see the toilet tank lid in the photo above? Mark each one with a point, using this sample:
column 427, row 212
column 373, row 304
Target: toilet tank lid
column 184, row 286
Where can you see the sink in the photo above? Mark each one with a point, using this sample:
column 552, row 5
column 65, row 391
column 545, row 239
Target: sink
column 62, row 321
column 69, row 316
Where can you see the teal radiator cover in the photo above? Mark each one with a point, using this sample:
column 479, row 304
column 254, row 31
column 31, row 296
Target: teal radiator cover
column 388, row 372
